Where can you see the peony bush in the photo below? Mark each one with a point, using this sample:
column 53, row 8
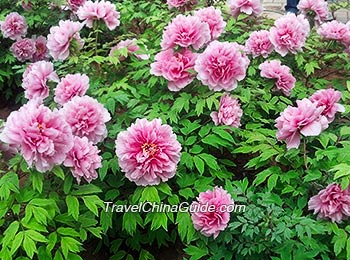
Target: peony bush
column 185, row 129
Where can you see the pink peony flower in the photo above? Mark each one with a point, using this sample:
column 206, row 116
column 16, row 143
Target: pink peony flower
column 75, row 4
column 83, row 159
column 317, row 9
column 229, row 113
column 331, row 203
column 305, row 119
column 216, row 216
column 87, row 117
column 64, row 39
column 221, row 65
column 41, row 51
column 181, row 3
column 148, row 152
column 43, row 136
column 100, row 10
column 14, row 26
column 214, row 19
column 131, row 45
column 23, row 49
column 289, row 33
column 185, row 31
column 328, row 99
column 7, row 150
column 335, row 30
column 273, row 69
column 259, row 43
column 175, row 67
column 250, row 7
column 70, row 86
column 35, row 79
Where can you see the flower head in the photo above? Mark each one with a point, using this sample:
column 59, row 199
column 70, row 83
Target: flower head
column 221, row 65
column 183, row 4
column 43, row 136
column 212, row 221
column 214, row 19
column 87, row 117
column 99, row 10
column 328, row 99
column 259, row 43
column 41, row 51
column 289, row 33
column 75, row 4
column 23, row 49
column 83, row 159
column 35, row 79
column 175, row 67
column 249, row 7
column 132, row 47
column 148, row 152
column 318, row 9
column 337, row 31
column 331, row 203
column 63, row 39
column 70, row 86
column 14, row 26
column 305, row 119
column 229, row 113
column 185, row 31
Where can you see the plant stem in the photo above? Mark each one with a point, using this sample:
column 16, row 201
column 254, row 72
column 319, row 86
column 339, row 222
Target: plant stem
column 305, row 157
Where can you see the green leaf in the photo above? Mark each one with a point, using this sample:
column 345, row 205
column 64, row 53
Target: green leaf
column 69, row 244
column 262, row 176
column 130, row 220
column 150, row 193
column 29, row 246
column 57, row 170
column 91, row 203
column 185, row 226
column 10, row 233
column 36, row 236
column 86, row 189
column 196, row 252
column 17, row 242
column 271, row 182
column 37, row 180
column 210, row 160
column 67, row 232
column 73, row 206
column 199, row 163
column 159, row 219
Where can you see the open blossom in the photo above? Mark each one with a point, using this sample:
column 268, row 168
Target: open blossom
column 175, row 67
column 148, row 152
column 99, row 10
column 250, row 7
column 64, row 39
column 75, row 4
column 14, row 26
column 273, row 69
column 83, row 159
column 328, row 99
column 43, row 136
column 70, row 86
column 185, row 31
column 7, row 150
column 221, row 65
column 87, row 117
column 229, row 113
column 317, row 8
column 214, row 19
column 331, row 203
column 305, row 119
column 335, row 30
column 259, row 43
column 215, row 217
column 23, row 49
column 132, row 47
column 41, row 51
column 289, row 33
column 36, row 77
column 181, row 3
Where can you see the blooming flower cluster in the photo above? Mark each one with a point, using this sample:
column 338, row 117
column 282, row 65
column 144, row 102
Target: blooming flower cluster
column 213, row 18
column 14, row 26
column 317, row 9
column 337, row 31
column 249, row 7
column 259, row 43
column 275, row 70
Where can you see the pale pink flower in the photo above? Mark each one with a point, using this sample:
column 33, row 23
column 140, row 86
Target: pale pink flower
column 70, row 86
column 100, row 10
column 289, row 33
column 273, row 69
column 148, row 152
column 249, row 7
column 41, row 51
column 75, row 4
column 64, row 39
column 43, row 136
column 209, row 213
column 36, row 77
column 259, row 43
column 182, row 4
column 185, row 31
column 317, row 9
column 7, row 150
column 14, row 26
column 175, row 67
column 335, row 30
column 23, row 49
column 305, row 119
column 87, row 117
column 132, row 47
column 331, row 203
column 221, row 65
column 214, row 19
column 328, row 99
column 83, row 159
column 229, row 113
